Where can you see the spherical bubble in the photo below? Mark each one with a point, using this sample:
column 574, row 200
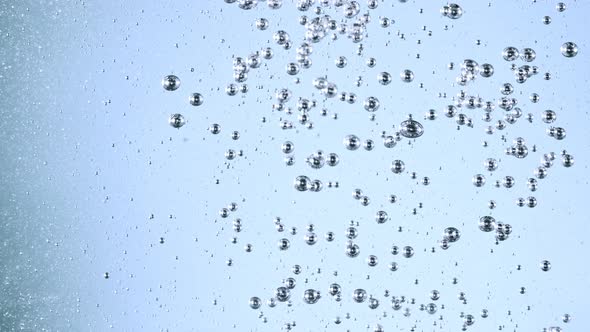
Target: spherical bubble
column 196, row 99
column 316, row 185
column 478, row 180
column 398, row 166
column 372, row 260
column 371, row 104
column 371, row 62
column 332, row 159
column 240, row 77
column 352, row 142
column 351, row 9
column 486, row 70
column 487, row 223
column 302, row 183
column 351, row 233
column 272, row 302
column 254, row 60
column 352, row 250
column 281, row 37
column 492, row 204
column 566, row 318
column 311, row 296
column 506, row 89
column 359, row 295
column 283, row 95
column 408, row 252
column 381, row 217
column 262, row 24
column 393, row 266
column 548, row 116
column 282, row 294
column 247, row 4
column 431, row 308
column 311, row 238
column 289, row 283
column 255, row 302
column 569, row 50
column 289, row 160
column 560, row 7
column 330, row 90
column 540, row 172
column 284, row 244
column 350, row 98
column 176, row 120
column 545, row 265
column 215, row 129
column 469, row 320
column 484, row 313
column 407, row 76
column 508, row 181
column 450, row 111
column 531, row 202
column 316, row 161
column 230, row 154
column 430, row 115
column 469, row 68
column 335, row 289
column 567, row 160
column 411, row 128
column 528, row 54
column 558, row 133
column 340, row 62
column 490, row 164
column 434, row 295
column 232, row 89
column 546, row 20
column 357, row 194
column 368, row 144
column 274, row 4
column 267, row 53
column 170, row 82
column 453, row 11
column 451, row 234
column 373, row 303
column 520, row 151
column 510, row 53
column 365, row 200
column 292, row 68
column 385, row 22
column 389, row 141
column 288, row 147
column 384, row 78
column 504, row 228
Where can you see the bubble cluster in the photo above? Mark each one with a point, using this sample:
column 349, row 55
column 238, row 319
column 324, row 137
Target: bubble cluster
column 494, row 100
column 171, row 82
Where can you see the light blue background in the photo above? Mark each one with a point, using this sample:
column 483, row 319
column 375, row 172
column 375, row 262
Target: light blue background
column 88, row 156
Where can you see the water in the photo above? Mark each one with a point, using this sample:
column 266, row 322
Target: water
column 257, row 165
